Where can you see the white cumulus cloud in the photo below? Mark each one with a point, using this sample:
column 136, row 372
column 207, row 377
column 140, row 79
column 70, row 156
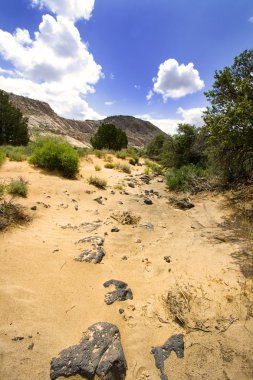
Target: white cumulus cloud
column 55, row 66
column 72, row 9
column 175, row 81
column 169, row 125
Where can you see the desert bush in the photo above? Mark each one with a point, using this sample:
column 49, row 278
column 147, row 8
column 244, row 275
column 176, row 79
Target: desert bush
column 18, row 187
column 108, row 159
column 97, row 168
column 55, row 154
column 99, row 153
column 184, row 178
column 118, row 186
column 109, row 165
column 154, row 167
column 11, row 213
column 98, row 182
column 82, row 152
column 123, row 168
column 2, row 156
column 109, row 137
column 146, row 170
column 17, row 154
column 121, row 154
column 2, row 189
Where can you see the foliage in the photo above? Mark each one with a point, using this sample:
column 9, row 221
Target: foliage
column 123, row 168
column 2, row 189
column 109, row 165
column 18, row 153
column 184, row 148
column 121, row 154
column 155, row 147
column 98, row 153
column 11, row 213
column 2, row 156
column 109, row 137
column 108, row 159
column 82, row 152
column 13, row 126
column 55, row 154
column 184, row 178
column 229, row 120
column 154, row 167
column 97, row 168
column 98, row 182
column 18, row 187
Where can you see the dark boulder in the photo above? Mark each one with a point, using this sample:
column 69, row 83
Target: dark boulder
column 99, row 353
column 121, row 292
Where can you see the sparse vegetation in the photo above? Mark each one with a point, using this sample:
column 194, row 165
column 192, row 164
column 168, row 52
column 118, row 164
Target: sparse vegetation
column 18, row 187
column 121, row 154
column 97, row 168
column 55, row 154
column 123, row 168
column 98, row 182
column 119, row 187
column 2, row 156
column 11, row 213
column 154, row 167
column 2, row 189
column 186, row 178
column 109, row 165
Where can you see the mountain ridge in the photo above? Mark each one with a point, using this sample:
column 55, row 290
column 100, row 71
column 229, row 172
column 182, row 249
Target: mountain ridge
column 43, row 120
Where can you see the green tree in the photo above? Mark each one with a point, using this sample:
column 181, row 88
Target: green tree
column 109, row 137
column 13, row 126
column 155, row 147
column 229, row 120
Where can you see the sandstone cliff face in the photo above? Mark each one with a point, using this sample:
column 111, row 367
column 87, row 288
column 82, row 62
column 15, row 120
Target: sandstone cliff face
column 42, row 119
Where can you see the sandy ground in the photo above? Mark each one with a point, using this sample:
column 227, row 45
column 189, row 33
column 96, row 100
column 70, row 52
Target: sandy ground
column 50, row 299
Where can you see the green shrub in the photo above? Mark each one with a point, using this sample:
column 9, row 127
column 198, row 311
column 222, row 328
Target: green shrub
column 109, row 165
column 123, row 168
column 121, row 154
column 17, row 154
column 2, row 156
column 18, row 187
column 82, row 152
column 146, row 171
column 2, row 189
column 108, row 159
column 98, row 182
column 184, row 178
column 97, row 168
column 55, row 154
column 98, row 153
column 109, row 137
column 154, row 167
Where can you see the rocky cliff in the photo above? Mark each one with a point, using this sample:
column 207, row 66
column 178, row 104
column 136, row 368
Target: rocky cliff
column 42, row 119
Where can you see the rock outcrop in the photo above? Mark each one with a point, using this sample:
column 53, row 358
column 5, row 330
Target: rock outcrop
column 42, row 119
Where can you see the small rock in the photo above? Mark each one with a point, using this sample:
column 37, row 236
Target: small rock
column 99, row 200
column 148, row 226
column 115, row 229
column 167, row 259
column 30, row 347
column 121, row 311
column 16, row 338
column 131, row 184
column 124, row 258
column 138, row 241
column 76, row 207
column 148, row 201
column 34, row 208
column 121, row 292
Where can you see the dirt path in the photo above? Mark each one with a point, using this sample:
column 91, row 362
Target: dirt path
column 50, row 299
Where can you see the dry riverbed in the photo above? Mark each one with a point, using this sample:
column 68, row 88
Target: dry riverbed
column 182, row 267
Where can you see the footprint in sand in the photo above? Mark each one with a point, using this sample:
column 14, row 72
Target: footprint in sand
column 148, row 268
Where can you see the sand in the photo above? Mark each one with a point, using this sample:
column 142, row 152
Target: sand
column 50, row 299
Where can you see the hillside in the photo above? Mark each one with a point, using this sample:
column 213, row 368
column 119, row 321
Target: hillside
column 42, row 119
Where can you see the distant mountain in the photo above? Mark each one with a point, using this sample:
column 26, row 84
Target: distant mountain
column 42, row 119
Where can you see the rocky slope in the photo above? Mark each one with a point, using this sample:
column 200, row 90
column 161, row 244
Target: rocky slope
column 42, row 119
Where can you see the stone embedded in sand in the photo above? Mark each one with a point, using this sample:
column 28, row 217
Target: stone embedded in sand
column 182, row 203
column 148, row 201
column 145, row 178
column 161, row 353
column 96, row 253
column 99, row 353
column 121, row 292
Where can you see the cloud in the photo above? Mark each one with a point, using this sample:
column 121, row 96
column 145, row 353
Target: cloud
column 137, row 86
column 110, row 103
column 149, row 95
column 169, row 125
column 71, row 9
column 175, row 81
column 192, row 115
column 112, row 76
column 58, row 70
column 251, row 19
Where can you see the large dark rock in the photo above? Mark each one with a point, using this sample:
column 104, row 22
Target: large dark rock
column 161, row 353
column 121, row 292
column 99, row 353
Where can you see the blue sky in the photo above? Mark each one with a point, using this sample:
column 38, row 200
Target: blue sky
column 95, row 58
